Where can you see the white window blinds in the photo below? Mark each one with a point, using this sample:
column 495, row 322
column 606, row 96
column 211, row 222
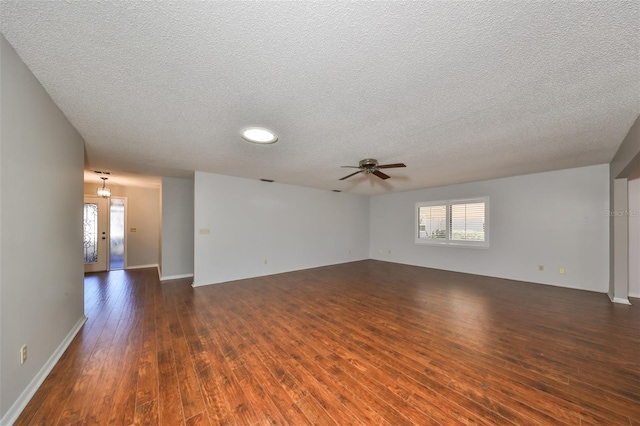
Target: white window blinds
column 453, row 222
column 467, row 222
column 433, row 222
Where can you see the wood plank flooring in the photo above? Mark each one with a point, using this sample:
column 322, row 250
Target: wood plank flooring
column 364, row 343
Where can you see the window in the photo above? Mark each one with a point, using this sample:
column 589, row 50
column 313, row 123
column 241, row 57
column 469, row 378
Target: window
column 455, row 222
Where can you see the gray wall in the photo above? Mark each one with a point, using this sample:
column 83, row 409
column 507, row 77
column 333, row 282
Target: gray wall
column 143, row 213
column 634, row 237
column 247, row 228
column 555, row 219
column 177, row 228
column 41, row 279
column 624, row 164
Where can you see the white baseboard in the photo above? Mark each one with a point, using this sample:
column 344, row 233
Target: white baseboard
column 636, row 295
column 175, row 277
column 154, row 265
column 622, row 301
column 12, row 415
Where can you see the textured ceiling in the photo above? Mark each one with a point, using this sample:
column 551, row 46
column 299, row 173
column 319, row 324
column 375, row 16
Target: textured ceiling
column 459, row 91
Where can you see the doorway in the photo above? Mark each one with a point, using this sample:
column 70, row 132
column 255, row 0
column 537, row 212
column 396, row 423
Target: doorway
column 116, row 234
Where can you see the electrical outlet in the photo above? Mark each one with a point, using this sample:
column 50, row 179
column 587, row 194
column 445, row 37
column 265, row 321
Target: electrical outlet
column 540, row 267
column 389, row 251
column 23, row 354
column 349, row 251
column 265, row 261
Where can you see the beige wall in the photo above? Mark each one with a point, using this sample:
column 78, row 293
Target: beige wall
column 143, row 214
column 41, row 276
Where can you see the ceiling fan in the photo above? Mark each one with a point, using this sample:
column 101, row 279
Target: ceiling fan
column 371, row 166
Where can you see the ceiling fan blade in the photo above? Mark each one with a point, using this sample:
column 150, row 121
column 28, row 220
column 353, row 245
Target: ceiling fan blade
column 380, row 174
column 350, row 167
column 391, row 166
column 352, row 174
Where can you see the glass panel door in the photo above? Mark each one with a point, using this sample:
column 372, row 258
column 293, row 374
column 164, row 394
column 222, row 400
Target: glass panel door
column 116, row 234
column 95, row 234
column 90, row 233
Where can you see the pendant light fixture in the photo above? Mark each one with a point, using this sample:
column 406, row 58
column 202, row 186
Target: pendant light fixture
column 104, row 191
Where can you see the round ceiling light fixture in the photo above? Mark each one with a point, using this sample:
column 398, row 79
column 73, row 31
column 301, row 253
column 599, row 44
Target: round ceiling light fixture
column 259, row 135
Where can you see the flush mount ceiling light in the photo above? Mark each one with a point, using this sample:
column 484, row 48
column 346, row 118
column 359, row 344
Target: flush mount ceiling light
column 259, row 135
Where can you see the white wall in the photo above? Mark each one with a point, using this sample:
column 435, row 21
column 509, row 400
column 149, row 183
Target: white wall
column 556, row 219
column 622, row 166
column 143, row 213
column 290, row 227
column 177, row 228
column 634, row 237
column 41, row 280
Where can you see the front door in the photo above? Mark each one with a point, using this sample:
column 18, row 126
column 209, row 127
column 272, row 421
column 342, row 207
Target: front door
column 95, row 234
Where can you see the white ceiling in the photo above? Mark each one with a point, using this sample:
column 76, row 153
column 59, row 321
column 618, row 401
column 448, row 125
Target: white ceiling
column 459, row 91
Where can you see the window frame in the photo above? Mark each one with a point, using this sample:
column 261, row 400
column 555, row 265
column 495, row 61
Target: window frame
column 448, row 242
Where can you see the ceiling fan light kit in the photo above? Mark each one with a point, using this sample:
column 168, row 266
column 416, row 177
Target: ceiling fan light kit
column 371, row 166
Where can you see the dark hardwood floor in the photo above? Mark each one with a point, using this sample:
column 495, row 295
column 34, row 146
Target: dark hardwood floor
column 363, row 343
